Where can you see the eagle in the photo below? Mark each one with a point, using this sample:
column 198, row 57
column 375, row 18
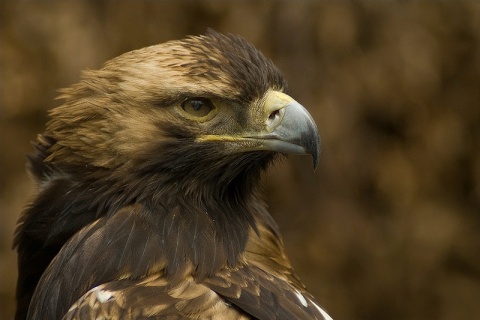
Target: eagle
column 149, row 198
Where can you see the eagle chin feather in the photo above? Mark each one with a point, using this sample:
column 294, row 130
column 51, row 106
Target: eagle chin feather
column 149, row 199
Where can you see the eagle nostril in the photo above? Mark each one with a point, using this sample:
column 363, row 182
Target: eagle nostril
column 274, row 115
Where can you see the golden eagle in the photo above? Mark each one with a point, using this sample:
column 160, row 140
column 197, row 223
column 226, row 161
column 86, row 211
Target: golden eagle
column 149, row 203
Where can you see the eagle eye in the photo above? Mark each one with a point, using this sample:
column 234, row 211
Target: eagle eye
column 198, row 107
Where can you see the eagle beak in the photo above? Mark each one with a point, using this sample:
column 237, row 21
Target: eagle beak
column 289, row 127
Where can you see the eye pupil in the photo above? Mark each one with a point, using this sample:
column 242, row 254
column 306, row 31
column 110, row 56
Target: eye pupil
column 198, row 107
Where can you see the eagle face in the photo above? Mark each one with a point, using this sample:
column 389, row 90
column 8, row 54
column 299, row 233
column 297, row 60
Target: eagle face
column 149, row 202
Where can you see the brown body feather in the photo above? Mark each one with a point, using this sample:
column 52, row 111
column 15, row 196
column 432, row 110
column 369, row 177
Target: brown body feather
column 135, row 218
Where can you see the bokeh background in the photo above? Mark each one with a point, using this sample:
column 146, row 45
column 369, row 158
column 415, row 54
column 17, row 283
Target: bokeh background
column 388, row 227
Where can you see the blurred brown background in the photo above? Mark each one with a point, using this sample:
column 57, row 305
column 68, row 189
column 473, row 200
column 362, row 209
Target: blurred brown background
column 388, row 227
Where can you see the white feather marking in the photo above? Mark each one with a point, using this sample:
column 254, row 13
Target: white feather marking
column 301, row 298
column 103, row 295
column 324, row 314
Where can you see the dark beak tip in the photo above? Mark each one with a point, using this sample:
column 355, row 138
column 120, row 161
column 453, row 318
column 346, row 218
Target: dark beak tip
column 315, row 162
column 313, row 147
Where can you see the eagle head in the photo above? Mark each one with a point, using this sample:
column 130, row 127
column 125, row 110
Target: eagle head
column 173, row 111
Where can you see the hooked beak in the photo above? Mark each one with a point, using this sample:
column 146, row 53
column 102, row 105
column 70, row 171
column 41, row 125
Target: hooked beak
column 289, row 127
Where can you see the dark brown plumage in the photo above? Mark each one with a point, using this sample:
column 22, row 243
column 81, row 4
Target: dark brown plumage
column 148, row 202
